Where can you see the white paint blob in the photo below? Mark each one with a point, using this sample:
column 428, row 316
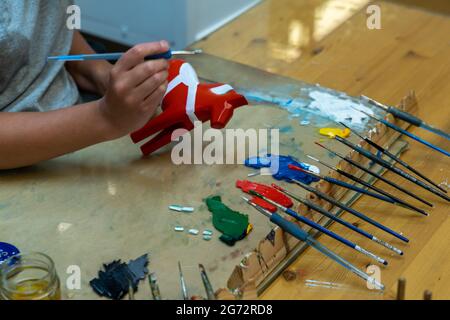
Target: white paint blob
column 338, row 108
column 313, row 168
column 63, row 227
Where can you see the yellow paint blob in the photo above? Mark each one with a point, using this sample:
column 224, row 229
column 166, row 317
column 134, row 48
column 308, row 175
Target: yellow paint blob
column 249, row 228
column 332, row 132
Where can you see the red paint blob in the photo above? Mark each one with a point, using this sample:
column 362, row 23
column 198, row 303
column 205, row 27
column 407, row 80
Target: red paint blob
column 266, row 191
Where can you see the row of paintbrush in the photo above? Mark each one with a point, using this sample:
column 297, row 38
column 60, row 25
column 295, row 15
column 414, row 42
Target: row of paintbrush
column 414, row 176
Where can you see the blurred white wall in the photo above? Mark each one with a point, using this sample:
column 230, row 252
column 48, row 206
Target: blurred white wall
column 179, row 21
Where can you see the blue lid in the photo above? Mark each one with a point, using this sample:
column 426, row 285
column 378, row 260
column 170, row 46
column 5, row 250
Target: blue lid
column 7, row 250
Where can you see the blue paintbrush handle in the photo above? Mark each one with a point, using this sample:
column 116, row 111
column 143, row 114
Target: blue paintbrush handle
column 337, row 219
column 357, row 189
column 322, row 229
column 302, row 235
column 372, row 222
column 405, row 116
column 108, row 56
column 334, row 235
column 350, row 210
column 435, row 130
column 388, row 166
column 413, row 136
column 166, row 55
column 349, row 225
column 289, row 227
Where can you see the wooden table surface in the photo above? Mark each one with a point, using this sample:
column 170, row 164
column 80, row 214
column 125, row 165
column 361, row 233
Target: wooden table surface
column 93, row 198
column 327, row 42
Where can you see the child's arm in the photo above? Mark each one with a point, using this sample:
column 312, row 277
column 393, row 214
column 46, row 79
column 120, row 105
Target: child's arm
column 134, row 91
column 92, row 76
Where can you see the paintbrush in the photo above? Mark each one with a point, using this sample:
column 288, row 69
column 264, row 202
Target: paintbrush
column 395, row 158
column 322, row 229
column 349, row 210
column 184, row 291
column 116, row 56
column 405, row 116
column 342, row 184
column 153, row 281
column 369, row 155
column 396, row 201
column 208, row 287
column 338, row 220
column 404, row 132
column 378, row 176
column 302, row 235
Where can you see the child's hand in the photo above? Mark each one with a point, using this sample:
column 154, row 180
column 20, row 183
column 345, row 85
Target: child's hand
column 136, row 89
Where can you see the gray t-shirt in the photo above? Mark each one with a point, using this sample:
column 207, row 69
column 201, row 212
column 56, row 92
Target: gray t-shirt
column 30, row 31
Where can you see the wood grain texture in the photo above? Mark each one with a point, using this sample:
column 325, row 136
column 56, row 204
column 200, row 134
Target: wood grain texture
column 327, row 42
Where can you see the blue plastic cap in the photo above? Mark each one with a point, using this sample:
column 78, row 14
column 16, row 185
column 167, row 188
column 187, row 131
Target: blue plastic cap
column 7, row 250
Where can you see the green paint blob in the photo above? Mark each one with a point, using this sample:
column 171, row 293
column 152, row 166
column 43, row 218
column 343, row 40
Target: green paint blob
column 232, row 224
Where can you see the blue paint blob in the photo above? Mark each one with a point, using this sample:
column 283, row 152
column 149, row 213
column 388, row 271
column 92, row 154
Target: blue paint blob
column 282, row 173
column 286, row 129
column 273, row 99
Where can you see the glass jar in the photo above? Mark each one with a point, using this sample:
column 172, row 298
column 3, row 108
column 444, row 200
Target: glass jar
column 29, row 277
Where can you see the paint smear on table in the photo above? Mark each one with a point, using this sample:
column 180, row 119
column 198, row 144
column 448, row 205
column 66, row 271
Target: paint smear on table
column 315, row 100
column 338, row 108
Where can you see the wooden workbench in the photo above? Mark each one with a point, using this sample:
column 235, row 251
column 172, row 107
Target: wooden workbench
column 327, row 42
column 105, row 202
